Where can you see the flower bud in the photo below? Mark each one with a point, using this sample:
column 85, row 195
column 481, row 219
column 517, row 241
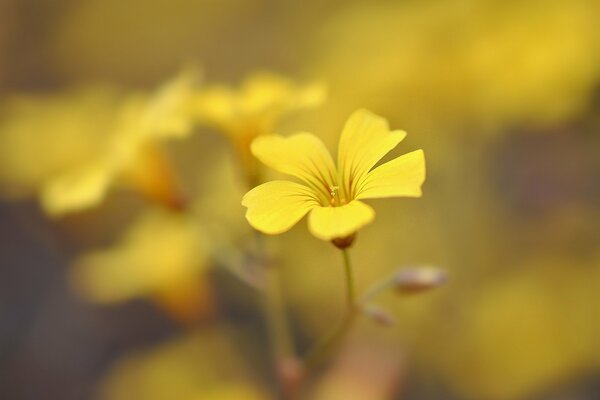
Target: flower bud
column 416, row 280
column 378, row 315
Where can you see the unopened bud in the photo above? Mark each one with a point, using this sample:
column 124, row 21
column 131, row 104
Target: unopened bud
column 378, row 315
column 417, row 280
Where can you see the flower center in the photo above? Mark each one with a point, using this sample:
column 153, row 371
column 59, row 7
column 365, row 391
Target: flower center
column 336, row 199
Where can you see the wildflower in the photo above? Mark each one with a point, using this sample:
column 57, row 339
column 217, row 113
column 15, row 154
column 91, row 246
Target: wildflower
column 119, row 138
column 134, row 156
column 332, row 195
column 162, row 256
column 201, row 364
column 253, row 110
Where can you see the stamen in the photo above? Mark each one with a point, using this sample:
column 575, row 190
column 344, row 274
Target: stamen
column 333, row 192
column 336, row 199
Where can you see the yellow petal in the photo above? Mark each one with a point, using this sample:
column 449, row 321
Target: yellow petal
column 262, row 91
column 302, row 155
column 269, row 92
column 274, row 207
column 78, row 189
column 329, row 223
column 366, row 138
column 142, row 262
column 217, row 106
column 167, row 113
column 401, row 177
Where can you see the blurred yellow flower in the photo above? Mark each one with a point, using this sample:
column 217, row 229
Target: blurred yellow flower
column 551, row 48
column 200, row 365
column 162, row 256
column 120, row 137
column 332, row 195
column 254, row 109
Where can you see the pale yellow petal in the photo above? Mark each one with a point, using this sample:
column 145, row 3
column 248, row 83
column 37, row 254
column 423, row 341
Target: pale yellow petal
column 168, row 112
column 264, row 92
column 366, row 138
column 217, row 106
column 329, row 223
column 274, row 207
column 77, row 190
column 302, row 155
column 255, row 108
column 401, row 177
column 158, row 253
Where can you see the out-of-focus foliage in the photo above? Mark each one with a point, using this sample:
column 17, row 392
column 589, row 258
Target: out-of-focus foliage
column 542, row 316
column 464, row 62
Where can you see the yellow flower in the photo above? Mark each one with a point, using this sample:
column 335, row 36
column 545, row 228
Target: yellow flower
column 254, row 109
column 202, row 364
column 332, row 195
column 163, row 256
column 70, row 150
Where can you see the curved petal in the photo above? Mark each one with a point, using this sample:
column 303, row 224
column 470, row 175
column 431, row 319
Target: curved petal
column 216, row 106
column 302, row 155
column 401, row 177
column 77, row 190
column 264, row 92
column 142, row 262
column 274, row 207
column 168, row 112
column 366, row 138
column 328, row 223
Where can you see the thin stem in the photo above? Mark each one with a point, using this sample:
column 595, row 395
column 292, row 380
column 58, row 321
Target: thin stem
column 280, row 336
column 330, row 342
column 350, row 292
column 274, row 307
column 278, row 331
column 275, row 312
column 375, row 290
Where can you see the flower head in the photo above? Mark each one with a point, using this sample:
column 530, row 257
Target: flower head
column 253, row 110
column 256, row 106
column 170, row 267
column 70, row 150
column 332, row 195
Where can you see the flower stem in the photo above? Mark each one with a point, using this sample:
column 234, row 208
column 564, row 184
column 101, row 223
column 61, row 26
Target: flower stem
column 275, row 312
column 350, row 292
column 375, row 290
column 330, row 342
column 280, row 337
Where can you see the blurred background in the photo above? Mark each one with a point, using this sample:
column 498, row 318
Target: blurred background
column 127, row 273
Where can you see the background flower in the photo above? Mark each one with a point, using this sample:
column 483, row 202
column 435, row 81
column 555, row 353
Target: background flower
column 109, row 138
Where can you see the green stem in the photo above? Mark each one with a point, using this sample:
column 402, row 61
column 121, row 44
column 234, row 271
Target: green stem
column 275, row 313
column 350, row 292
column 330, row 342
column 278, row 331
column 274, row 308
column 375, row 290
